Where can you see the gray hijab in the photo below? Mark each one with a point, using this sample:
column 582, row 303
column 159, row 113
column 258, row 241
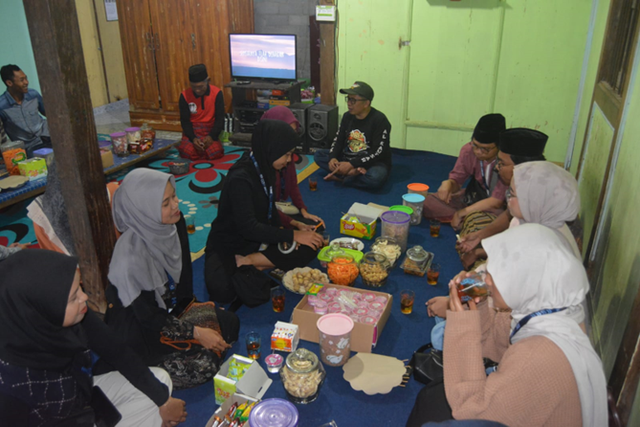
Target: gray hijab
column 547, row 194
column 147, row 249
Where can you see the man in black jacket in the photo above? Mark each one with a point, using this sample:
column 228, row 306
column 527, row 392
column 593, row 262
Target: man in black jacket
column 360, row 155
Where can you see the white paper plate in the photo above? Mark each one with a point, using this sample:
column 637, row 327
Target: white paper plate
column 287, row 280
column 12, row 182
column 355, row 243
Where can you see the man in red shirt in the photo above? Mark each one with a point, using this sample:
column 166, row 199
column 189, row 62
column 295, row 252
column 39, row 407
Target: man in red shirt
column 201, row 117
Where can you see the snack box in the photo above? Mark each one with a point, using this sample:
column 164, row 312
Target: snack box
column 107, row 157
column 253, row 383
column 363, row 336
column 276, row 102
column 364, row 226
column 284, row 337
column 33, row 169
column 224, row 407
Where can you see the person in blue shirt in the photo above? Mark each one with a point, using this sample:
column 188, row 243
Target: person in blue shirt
column 22, row 111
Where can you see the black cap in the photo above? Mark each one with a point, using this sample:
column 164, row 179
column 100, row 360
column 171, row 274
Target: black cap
column 359, row 88
column 523, row 142
column 488, row 129
column 198, row 73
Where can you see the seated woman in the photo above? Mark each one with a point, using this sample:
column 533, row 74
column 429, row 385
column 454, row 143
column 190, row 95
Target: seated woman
column 45, row 362
column 150, row 272
column 548, row 372
column 286, row 185
column 247, row 230
column 540, row 192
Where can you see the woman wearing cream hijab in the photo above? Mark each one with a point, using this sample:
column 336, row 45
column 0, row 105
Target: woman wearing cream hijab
column 548, row 372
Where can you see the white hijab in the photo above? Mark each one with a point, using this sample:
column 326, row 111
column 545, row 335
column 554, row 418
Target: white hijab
column 547, row 195
column 147, row 249
column 533, row 269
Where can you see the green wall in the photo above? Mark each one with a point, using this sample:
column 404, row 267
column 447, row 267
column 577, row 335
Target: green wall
column 15, row 44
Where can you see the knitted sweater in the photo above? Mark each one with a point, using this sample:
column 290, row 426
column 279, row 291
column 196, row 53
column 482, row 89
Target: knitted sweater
column 533, row 386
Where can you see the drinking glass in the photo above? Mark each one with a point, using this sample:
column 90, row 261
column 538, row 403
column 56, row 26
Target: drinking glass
column 253, row 345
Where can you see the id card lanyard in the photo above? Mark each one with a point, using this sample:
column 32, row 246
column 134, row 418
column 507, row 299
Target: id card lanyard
column 526, row 319
column 269, row 191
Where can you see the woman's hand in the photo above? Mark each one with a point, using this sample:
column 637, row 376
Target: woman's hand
column 333, row 164
column 173, row 412
column 302, row 226
column 308, row 238
column 470, row 241
column 437, row 306
column 444, row 192
column 312, row 217
column 210, row 339
column 457, row 219
column 454, row 300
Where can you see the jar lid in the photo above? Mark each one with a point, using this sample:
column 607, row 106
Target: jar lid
column 133, row 129
column 273, row 360
column 375, row 258
column 334, row 250
column 417, row 254
column 117, row 134
column 274, row 413
column 416, row 186
column 302, row 361
column 395, row 217
column 413, row 198
column 402, row 208
column 335, row 324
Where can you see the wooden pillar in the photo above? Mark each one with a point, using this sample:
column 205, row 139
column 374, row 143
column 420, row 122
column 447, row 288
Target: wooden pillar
column 328, row 59
column 55, row 37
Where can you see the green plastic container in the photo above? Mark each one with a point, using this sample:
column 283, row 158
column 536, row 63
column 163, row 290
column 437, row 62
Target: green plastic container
column 402, row 208
column 324, row 259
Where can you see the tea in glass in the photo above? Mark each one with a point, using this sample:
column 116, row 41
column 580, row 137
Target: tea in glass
column 406, row 301
column 433, row 274
column 434, row 228
column 277, row 299
column 313, row 183
column 253, row 345
column 191, row 224
column 472, row 287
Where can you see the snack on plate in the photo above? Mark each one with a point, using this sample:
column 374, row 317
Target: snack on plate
column 388, row 247
column 300, row 280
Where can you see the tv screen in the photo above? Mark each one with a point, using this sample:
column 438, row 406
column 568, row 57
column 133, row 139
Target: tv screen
column 263, row 56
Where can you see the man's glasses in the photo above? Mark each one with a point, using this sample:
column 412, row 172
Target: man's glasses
column 352, row 101
column 485, row 150
column 509, row 194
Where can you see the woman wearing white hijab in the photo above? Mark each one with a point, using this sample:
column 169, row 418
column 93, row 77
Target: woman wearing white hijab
column 548, row 372
column 544, row 193
column 150, row 274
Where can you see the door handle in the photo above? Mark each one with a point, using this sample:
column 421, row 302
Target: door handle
column 193, row 41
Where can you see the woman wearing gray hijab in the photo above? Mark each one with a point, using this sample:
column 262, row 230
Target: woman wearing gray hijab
column 150, row 274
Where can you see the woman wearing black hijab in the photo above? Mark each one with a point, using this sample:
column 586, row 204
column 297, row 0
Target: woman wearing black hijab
column 46, row 338
column 247, row 230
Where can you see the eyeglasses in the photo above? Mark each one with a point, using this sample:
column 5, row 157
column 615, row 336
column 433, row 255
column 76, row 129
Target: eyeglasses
column 352, row 101
column 509, row 194
column 485, row 150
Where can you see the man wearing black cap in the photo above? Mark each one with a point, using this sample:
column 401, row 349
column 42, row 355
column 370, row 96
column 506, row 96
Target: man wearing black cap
column 360, row 155
column 517, row 145
column 201, row 117
column 477, row 160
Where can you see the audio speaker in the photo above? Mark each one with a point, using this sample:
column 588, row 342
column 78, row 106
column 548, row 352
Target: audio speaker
column 322, row 125
column 300, row 110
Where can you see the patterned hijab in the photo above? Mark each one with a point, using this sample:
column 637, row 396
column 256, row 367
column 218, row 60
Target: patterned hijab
column 148, row 250
column 534, row 269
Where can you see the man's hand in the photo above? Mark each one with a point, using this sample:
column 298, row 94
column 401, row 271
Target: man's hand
column 437, row 306
column 344, row 168
column 312, row 217
column 444, row 192
column 333, row 164
column 302, row 226
column 198, row 144
column 173, row 412
column 210, row 339
column 207, row 141
column 308, row 238
column 470, row 241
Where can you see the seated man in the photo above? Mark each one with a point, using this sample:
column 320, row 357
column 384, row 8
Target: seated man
column 22, row 111
column 360, row 155
column 477, row 159
column 201, row 117
column 517, row 145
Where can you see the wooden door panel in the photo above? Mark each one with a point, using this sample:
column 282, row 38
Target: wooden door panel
column 138, row 51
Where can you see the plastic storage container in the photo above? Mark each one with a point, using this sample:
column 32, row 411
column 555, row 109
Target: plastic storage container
column 389, row 247
column 274, row 413
column 274, row 363
column 147, row 132
column 46, row 154
column 133, row 134
column 12, row 153
column 374, row 269
column 302, row 376
column 415, row 202
column 418, row 189
column 342, row 270
column 119, row 144
column 335, row 338
column 396, row 224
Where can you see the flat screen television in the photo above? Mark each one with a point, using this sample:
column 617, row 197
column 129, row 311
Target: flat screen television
column 263, row 56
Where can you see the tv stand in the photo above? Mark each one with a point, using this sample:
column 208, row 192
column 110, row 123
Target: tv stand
column 242, row 91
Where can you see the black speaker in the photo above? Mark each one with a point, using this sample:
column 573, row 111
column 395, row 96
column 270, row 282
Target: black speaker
column 299, row 110
column 322, row 125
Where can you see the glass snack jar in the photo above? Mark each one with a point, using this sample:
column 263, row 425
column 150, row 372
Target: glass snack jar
column 342, row 270
column 389, row 247
column 374, row 269
column 416, row 261
column 302, row 376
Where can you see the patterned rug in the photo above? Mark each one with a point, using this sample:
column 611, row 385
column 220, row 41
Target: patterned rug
column 198, row 191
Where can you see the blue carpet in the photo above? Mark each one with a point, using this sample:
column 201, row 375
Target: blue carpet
column 402, row 333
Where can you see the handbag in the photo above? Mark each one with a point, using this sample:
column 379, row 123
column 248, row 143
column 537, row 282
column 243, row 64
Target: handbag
column 202, row 314
column 426, row 364
column 287, row 208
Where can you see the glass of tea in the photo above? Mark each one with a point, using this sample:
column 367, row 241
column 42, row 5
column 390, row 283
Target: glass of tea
column 434, row 228
column 326, row 237
column 253, row 345
column 191, row 223
column 433, row 273
column 472, row 287
column 313, row 183
column 406, row 301
column 277, row 299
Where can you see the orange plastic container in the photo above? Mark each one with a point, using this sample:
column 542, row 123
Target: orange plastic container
column 418, row 188
column 12, row 153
